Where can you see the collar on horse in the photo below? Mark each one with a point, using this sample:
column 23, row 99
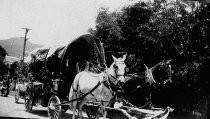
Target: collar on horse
column 96, row 67
column 113, row 83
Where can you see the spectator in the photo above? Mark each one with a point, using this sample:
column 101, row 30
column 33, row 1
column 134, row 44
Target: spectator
column 3, row 67
column 2, row 54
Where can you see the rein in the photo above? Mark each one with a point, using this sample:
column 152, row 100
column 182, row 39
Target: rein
column 109, row 84
column 99, row 83
column 84, row 95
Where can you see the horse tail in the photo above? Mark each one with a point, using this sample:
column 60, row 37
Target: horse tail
column 74, row 89
column 71, row 97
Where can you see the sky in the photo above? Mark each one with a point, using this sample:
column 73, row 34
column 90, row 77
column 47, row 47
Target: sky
column 53, row 22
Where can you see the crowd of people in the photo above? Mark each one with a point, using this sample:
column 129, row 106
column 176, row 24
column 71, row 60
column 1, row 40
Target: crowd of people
column 9, row 77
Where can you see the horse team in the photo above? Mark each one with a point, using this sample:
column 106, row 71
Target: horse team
column 83, row 70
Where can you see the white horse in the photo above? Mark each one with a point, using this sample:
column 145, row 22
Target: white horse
column 96, row 86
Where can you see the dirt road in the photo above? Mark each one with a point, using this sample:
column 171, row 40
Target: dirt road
column 8, row 108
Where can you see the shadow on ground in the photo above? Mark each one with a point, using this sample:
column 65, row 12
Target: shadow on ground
column 43, row 113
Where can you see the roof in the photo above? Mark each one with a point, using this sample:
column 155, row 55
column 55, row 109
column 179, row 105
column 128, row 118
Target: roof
column 11, row 59
column 39, row 53
column 55, row 49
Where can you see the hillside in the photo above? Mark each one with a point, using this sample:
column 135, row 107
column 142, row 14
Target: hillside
column 14, row 46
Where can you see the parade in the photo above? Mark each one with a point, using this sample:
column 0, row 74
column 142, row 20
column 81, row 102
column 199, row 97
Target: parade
column 144, row 60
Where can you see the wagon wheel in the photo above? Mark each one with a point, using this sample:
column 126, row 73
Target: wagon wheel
column 28, row 103
column 54, row 110
column 5, row 92
column 17, row 95
column 92, row 112
column 2, row 92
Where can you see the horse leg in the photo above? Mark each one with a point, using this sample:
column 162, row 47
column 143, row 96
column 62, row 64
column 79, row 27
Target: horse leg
column 74, row 109
column 80, row 105
column 150, row 99
column 103, row 110
column 74, row 94
column 73, row 105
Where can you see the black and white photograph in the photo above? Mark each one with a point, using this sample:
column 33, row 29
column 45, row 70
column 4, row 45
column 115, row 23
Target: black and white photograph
column 104, row 59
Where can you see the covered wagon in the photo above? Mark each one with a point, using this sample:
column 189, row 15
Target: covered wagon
column 52, row 70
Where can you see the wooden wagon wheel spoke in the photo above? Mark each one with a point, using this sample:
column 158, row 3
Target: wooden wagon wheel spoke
column 51, row 113
column 54, row 116
column 54, row 110
column 56, row 113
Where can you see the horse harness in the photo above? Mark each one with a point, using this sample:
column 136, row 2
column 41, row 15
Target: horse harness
column 108, row 83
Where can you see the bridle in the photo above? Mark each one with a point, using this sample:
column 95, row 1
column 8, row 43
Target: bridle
column 168, row 70
column 116, row 74
column 113, row 82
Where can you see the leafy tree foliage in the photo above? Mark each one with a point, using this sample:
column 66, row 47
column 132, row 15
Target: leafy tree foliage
column 151, row 32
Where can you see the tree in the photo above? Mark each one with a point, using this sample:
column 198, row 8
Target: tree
column 2, row 54
column 151, row 32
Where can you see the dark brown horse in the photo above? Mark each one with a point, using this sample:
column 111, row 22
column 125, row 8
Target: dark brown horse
column 138, row 89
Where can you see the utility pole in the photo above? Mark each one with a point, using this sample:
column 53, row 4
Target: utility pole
column 24, row 45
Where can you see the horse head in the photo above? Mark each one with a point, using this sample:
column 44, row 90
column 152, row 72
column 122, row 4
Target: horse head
column 138, row 86
column 97, row 87
column 117, row 68
column 168, row 71
column 162, row 72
